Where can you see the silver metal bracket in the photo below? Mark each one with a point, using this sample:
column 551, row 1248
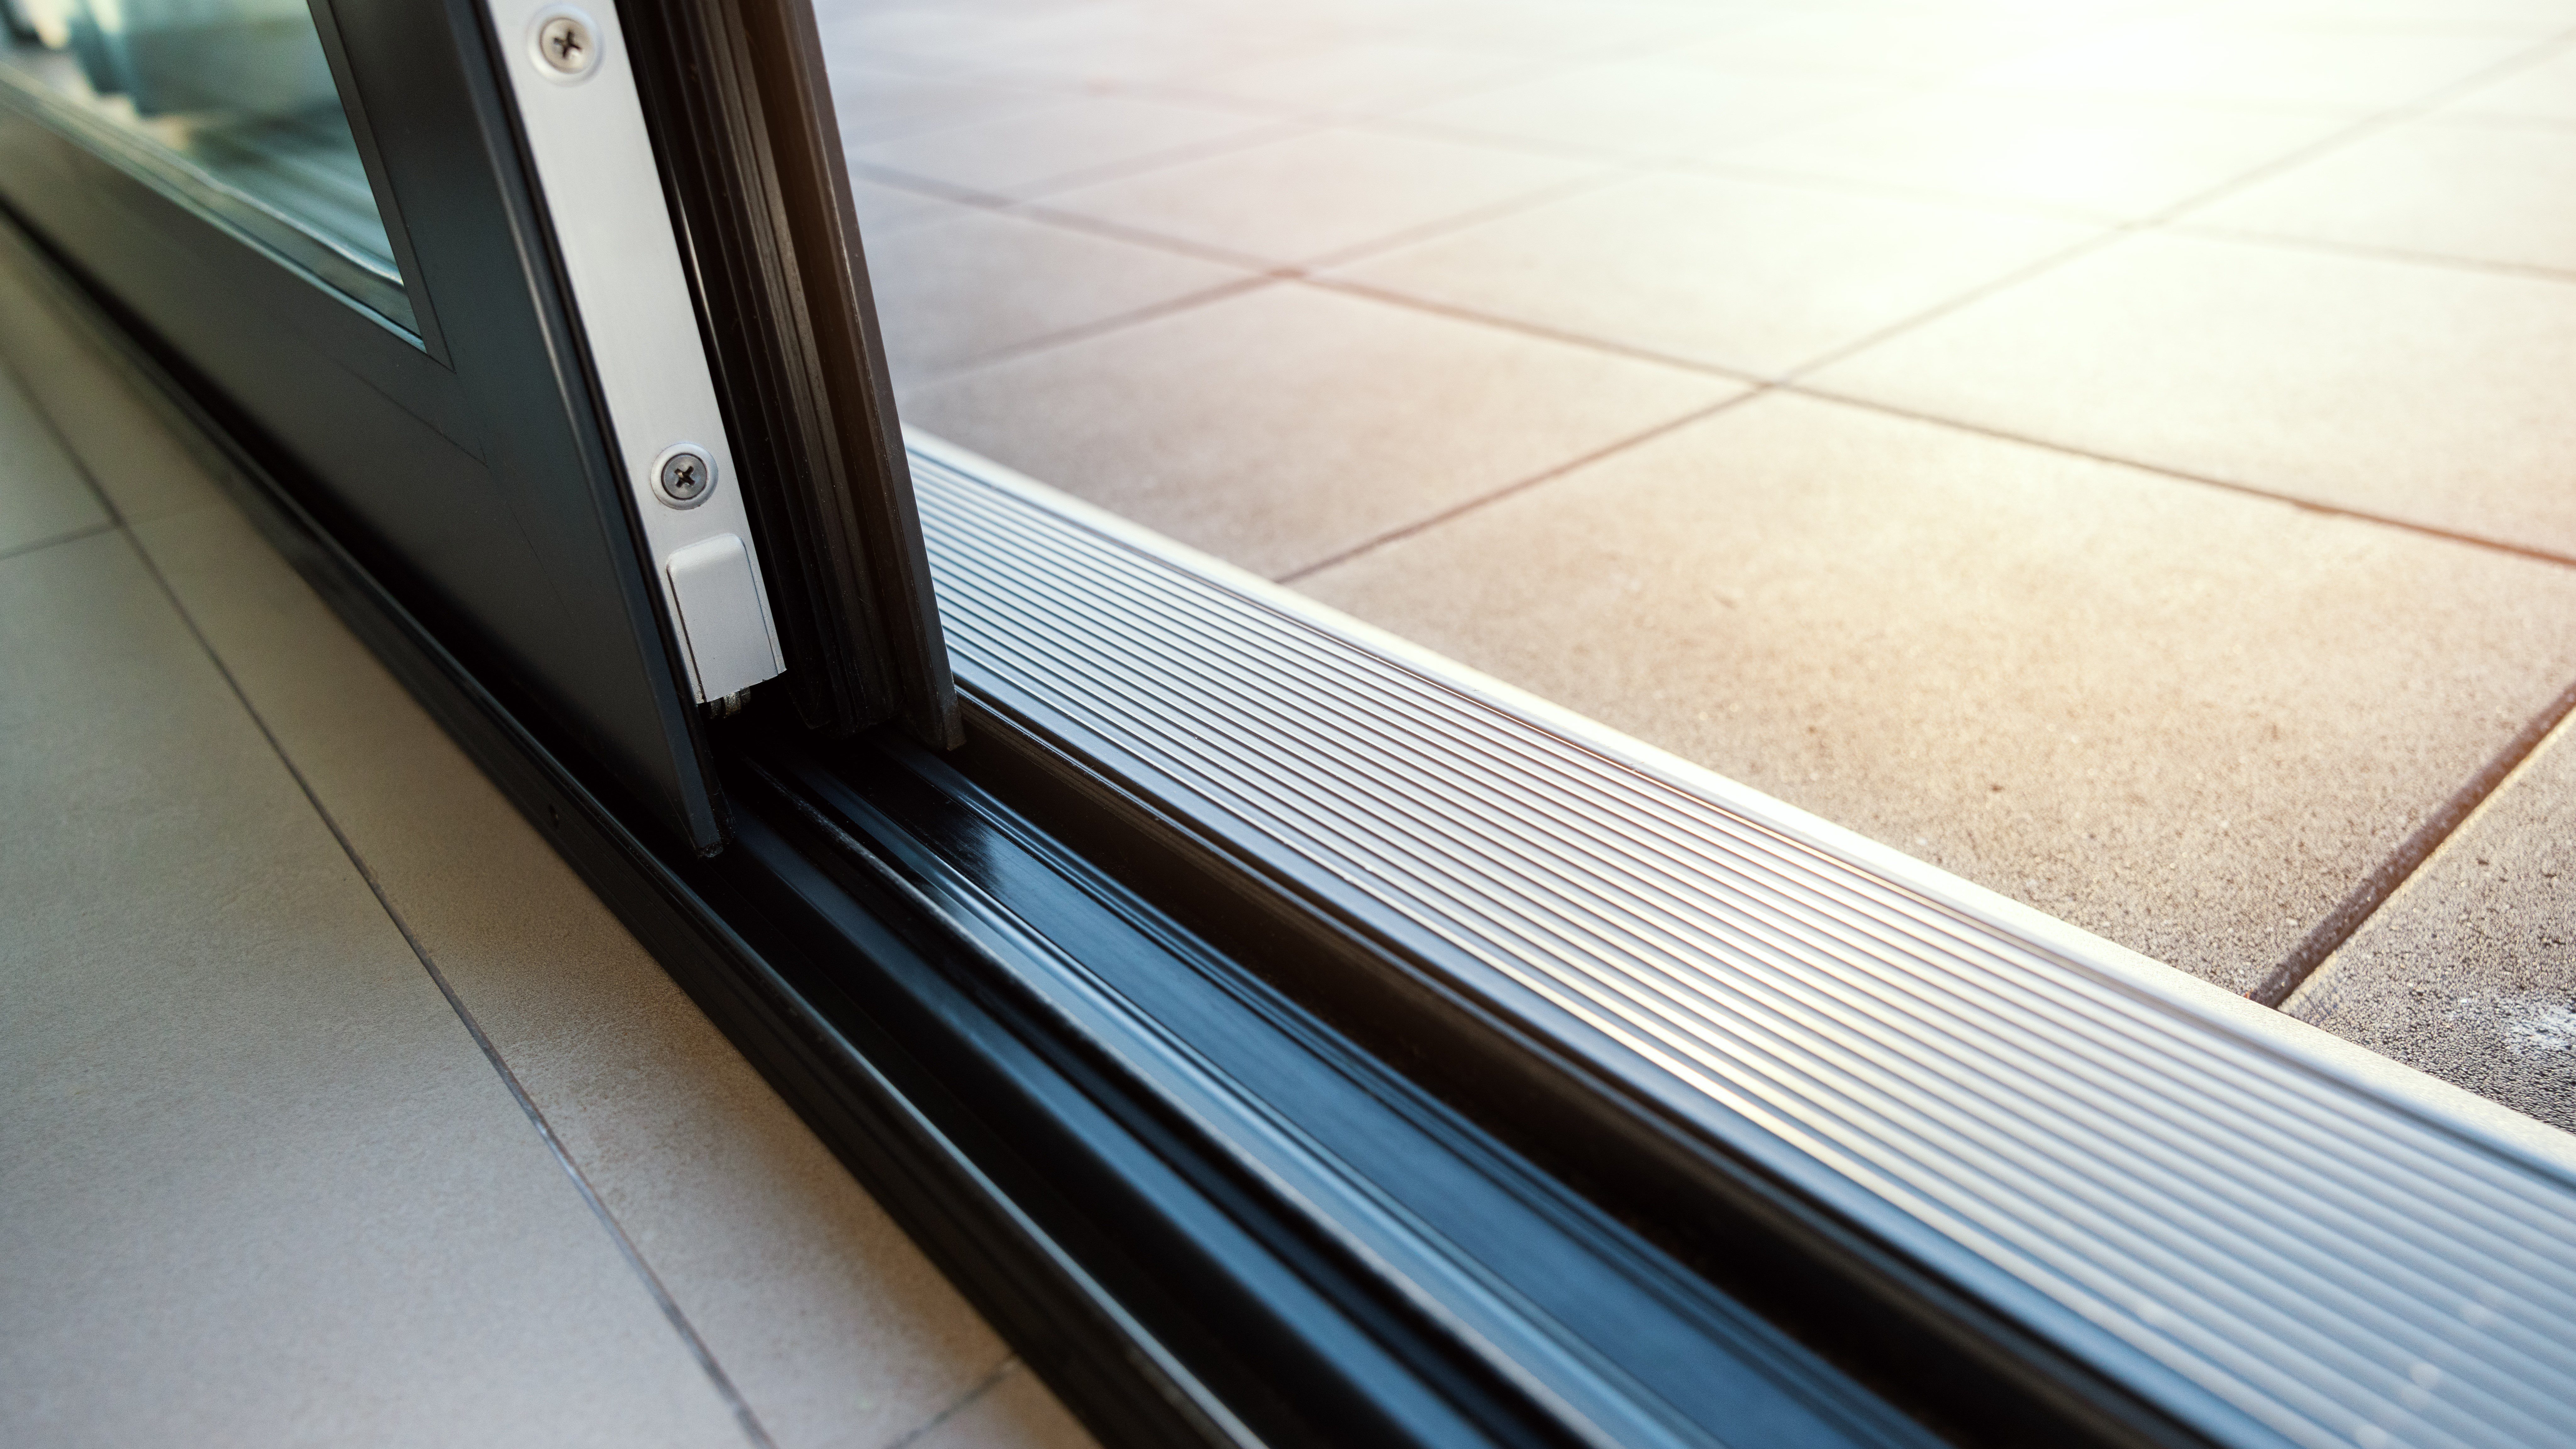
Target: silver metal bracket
column 575, row 87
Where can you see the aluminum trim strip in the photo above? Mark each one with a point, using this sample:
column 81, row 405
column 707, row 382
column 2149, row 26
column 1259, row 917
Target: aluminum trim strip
column 2277, row 1237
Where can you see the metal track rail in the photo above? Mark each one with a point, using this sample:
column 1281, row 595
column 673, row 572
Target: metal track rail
column 2270, row 1235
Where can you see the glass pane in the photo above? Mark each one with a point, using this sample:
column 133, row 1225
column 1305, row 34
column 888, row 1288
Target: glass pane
column 227, row 105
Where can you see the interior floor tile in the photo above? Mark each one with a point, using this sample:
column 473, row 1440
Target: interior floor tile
column 43, row 496
column 261, row 1185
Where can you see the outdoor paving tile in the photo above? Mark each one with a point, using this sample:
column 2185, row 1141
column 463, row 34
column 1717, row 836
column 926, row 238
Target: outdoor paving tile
column 927, row 37
column 829, row 1322
column 2498, row 17
column 2183, row 718
column 2430, row 394
column 1324, row 192
column 1913, row 43
column 871, row 103
column 1361, row 78
column 261, row 1186
column 975, row 283
column 42, row 493
column 2476, row 191
column 1656, row 109
column 1025, row 153
column 1555, row 28
column 2469, row 971
column 2543, row 92
column 2213, row 57
column 1148, row 45
column 883, row 209
column 2113, row 159
column 1755, row 276
column 1282, row 426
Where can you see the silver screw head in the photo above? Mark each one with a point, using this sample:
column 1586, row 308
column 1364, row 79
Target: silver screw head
column 686, row 476
column 567, row 45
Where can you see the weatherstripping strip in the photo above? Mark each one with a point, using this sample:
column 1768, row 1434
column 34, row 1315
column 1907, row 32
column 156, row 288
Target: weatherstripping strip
column 2276, row 1237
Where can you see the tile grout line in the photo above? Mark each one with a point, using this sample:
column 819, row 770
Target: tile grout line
column 2178, row 475
column 2416, row 108
column 671, row 1312
column 2365, row 899
column 1258, row 272
column 1760, row 388
column 2370, row 251
column 1085, row 331
column 1081, row 176
column 1545, row 475
column 53, row 540
column 1619, row 167
column 1791, row 378
column 722, row 1382
column 2167, row 218
column 1010, row 1363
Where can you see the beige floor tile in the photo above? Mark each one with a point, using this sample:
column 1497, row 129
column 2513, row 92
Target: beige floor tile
column 2478, row 191
column 830, row 1323
column 1280, row 427
column 2423, row 393
column 261, row 1186
column 2113, row 159
column 2180, row 717
column 1031, row 152
column 1652, row 109
column 1015, row 1410
column 2543, row 92
column 976, row 283
column 2469, row 971
column 2213, row 57
column 43, row 496
column 1754, row 276
column 1325, row 192
column 140, row 468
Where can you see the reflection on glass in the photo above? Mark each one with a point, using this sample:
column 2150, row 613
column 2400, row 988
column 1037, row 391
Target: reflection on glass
column 228, row 105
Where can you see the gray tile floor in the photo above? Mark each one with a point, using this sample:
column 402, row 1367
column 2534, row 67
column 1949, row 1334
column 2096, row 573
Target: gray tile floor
column 336, row 1110
column 2120, row 451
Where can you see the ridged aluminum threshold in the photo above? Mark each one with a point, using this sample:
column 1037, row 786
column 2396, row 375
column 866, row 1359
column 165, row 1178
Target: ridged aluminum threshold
column 2280, row 1238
